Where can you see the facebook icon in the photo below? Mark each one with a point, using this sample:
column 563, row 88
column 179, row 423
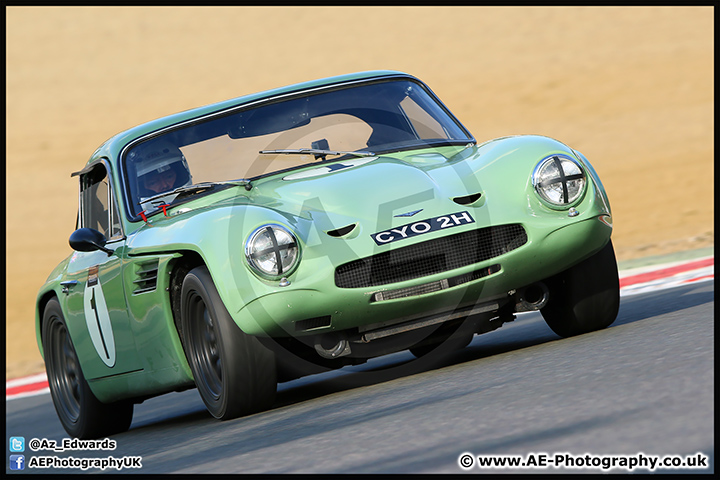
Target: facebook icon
column 17, row 462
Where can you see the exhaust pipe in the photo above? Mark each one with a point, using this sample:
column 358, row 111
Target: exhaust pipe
column 533, row 297
column 332, row 346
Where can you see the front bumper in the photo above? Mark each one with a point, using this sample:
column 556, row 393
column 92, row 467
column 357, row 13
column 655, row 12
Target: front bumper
column 319, row 307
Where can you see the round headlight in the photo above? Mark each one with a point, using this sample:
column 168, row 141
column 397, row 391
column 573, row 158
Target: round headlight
column 559, row 180
column 272, row 251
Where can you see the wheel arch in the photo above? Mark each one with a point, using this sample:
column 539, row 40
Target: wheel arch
column 181, row 266
column 42, row 301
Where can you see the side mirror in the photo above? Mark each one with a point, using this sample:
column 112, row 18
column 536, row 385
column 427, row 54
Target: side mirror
column 88, row 240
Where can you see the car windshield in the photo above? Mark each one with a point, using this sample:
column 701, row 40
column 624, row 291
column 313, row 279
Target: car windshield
column 356, row 120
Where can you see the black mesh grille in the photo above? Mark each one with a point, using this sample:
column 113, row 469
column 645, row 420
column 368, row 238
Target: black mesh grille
column 433, row 256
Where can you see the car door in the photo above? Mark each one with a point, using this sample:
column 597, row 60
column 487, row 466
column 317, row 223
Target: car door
column 95, row 305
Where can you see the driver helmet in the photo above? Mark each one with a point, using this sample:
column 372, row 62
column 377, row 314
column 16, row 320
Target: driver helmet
column 156, row 159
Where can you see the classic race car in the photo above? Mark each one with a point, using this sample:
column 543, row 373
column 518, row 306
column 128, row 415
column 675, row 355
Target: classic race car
column 306, row 228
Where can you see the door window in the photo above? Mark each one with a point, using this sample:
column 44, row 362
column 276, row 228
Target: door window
column 98, row 208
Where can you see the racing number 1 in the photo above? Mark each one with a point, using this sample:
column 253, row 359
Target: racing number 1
column 93, row 305
column 97, row 318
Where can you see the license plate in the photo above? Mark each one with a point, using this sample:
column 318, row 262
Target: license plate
column 422, row 226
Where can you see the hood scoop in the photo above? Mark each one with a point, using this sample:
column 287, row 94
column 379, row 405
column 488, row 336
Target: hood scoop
column 342, row 231
column 468, row 199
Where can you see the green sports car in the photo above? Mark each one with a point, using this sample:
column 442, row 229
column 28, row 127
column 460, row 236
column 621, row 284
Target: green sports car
column 256, row 240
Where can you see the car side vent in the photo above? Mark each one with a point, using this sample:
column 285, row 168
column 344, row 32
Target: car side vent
column 468, row 199
column 146, row 277
column 341, row 232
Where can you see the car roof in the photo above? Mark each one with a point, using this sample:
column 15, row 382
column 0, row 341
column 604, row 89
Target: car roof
column 112, row 147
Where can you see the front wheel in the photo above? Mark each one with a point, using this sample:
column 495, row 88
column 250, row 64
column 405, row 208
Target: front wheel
column 234, row 373
column 585, row 297
column 80, row 412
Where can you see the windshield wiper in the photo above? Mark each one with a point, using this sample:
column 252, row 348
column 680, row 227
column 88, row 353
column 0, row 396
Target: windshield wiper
column 319, row 153
column 198, row 187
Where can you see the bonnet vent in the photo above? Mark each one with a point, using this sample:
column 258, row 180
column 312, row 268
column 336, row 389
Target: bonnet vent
column 341, row 232
column 467, row 199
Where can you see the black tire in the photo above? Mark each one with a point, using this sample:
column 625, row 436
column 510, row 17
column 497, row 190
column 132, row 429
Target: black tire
column 234, row 373
column 586, row 297
column 80, row 412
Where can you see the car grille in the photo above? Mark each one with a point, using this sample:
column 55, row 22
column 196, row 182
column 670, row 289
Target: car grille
column 433, row 256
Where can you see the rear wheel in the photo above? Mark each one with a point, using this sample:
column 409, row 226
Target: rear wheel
column 234, row 373
column 80, row 412
column 585, row 297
